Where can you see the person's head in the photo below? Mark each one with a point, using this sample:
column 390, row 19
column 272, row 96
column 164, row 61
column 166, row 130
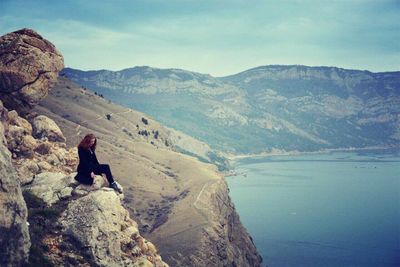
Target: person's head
column 89, row 141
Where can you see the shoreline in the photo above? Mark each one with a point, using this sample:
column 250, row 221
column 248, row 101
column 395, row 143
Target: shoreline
column 237, row 157
column 234, row 158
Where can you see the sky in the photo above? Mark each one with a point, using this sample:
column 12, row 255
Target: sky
column 216, row 37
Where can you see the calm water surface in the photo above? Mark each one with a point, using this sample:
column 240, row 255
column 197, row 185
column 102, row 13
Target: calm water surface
column 338, row 209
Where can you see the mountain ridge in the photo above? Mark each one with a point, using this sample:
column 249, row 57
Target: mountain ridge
column 250, row 69
column 273, row 107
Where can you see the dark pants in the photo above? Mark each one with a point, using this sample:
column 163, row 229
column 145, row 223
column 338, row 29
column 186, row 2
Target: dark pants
column 99, row 169
column 104, row 168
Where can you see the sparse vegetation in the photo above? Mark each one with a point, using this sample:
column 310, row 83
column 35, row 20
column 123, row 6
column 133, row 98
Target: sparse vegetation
column 144, row 133
column 145, row 121
column 127, row 132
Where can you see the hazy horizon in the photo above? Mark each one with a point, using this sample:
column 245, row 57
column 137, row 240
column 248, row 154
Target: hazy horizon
column 229, row 74
column 215, row 37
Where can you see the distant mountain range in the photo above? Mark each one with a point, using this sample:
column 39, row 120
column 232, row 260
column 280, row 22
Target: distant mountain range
column 262, row 109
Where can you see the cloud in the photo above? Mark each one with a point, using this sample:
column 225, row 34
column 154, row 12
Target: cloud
column 217, row 37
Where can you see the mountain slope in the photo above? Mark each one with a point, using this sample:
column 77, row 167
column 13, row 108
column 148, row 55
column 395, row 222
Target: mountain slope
column 180, row 204
column 270, row 107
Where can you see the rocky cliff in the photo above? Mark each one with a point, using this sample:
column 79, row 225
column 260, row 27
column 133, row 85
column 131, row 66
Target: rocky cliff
column 222, row 243
column 174, row 200
column 165, row 191
column 14, row 235
column 68, row 224
column 29, row 65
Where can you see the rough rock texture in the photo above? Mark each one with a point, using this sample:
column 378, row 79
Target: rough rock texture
column 82, row 189
column 105, row 231
column 226, row 242
column 31, row 156
column 44, row 127
column 93, row 217
column 27, row 171
column 29, row 67
column 51, row 187
column 14, row 235
column 20, row 143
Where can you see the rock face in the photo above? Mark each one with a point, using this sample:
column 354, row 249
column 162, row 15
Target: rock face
column 29, row 67
column 31, row 156
column 228, row 241
column 225, row 242
column 106, row 232
column 92, row 216
column 44, row 127
column 14, row 235
column 95, row 228
column 51, row 187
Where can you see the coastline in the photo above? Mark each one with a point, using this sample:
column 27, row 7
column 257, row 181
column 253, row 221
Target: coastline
column 276, row 152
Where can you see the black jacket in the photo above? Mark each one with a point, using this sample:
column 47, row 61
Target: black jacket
column 87, row 162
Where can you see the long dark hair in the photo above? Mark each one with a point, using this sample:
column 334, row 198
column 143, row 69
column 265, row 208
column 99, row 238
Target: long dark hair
column 85, row 143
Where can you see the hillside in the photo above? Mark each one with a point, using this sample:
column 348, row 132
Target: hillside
column 181, row 204
column 291, row 108
column 49, row 219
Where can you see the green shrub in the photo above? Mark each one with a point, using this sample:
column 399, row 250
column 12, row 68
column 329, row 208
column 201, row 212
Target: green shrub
column 145, row 121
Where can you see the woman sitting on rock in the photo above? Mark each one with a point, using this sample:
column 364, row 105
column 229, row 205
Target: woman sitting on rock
column 89, row 166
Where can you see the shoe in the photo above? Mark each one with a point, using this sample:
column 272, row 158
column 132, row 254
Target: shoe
column 117, row 187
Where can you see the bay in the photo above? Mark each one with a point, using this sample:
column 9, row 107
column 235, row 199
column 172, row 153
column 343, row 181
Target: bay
column 336, row 209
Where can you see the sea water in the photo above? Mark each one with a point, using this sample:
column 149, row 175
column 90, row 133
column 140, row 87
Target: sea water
column 337, row 209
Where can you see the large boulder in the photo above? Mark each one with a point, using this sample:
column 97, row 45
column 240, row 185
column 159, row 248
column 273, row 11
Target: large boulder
column 105, row 231
column 82, row 189
column 16, row 120
column 44, row 127
column 19, row 143
column 29, row 67
column 51, row 187
column 27, row 170
column 14, row 234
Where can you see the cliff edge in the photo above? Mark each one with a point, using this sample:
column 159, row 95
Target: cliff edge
column 69, row 224
column 179, row 203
